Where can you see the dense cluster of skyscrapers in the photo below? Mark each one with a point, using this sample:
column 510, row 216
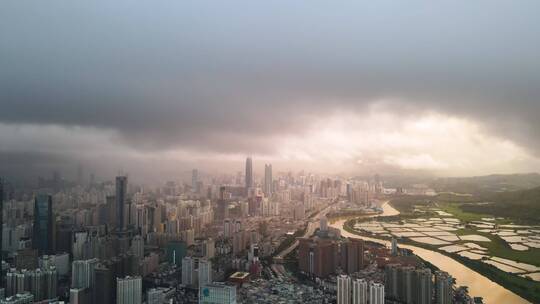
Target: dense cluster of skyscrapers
column 118, row 242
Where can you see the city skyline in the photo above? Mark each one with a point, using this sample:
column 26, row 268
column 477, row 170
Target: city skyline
column 195, row 232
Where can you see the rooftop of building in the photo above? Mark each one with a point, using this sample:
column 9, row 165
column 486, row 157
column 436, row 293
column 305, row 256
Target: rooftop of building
column 239, row 275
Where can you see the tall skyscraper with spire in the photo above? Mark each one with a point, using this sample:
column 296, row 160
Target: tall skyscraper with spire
column 249, row 174
column 194, row 180
column 79, row 175
column 121, row 189
column 268, row 181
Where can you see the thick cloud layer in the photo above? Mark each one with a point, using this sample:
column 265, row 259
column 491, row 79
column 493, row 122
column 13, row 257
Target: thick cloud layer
column 229, row 77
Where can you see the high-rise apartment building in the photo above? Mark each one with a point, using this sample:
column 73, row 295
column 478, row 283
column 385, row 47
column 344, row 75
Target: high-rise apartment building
column 82, row 273
column 137, row 246
column 51, row 282
column 394, row 250
column 423, row 286
column 376, row 293
column 317, row 257
column 228, row 228
column 41, row 283
column 392, row 281
column 188, row 270
column 343, row 289
column 204, row 272
column 104, row 285
column 60, row 261
column 352, row 255
column 129, row 290
column 208, row 248
column 406, row 284
column 359, row 291
column 79, row 296
column 444, row 284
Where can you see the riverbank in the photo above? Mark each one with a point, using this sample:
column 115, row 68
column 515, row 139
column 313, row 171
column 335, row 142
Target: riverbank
column 523, row 287
column 478, row 285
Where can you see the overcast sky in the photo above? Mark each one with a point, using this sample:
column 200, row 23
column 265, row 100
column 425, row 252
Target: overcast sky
column 446, row 87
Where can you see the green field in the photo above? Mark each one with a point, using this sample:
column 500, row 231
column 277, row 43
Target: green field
column 497, row 247
column 463, row 216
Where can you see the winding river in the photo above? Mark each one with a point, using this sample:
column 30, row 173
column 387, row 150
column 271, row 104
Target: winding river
column 479, row 286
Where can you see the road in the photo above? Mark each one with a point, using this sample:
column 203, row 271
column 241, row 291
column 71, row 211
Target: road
column 312, row 225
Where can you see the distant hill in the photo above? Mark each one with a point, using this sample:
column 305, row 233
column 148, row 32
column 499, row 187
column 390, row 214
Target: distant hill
column 521, row 205
column 480, row 185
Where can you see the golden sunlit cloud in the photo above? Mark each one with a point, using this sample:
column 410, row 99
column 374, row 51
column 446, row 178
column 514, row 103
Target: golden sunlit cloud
column 429, row 141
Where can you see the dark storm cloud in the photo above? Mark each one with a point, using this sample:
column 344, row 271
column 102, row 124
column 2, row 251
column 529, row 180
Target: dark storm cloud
column 227, row 76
